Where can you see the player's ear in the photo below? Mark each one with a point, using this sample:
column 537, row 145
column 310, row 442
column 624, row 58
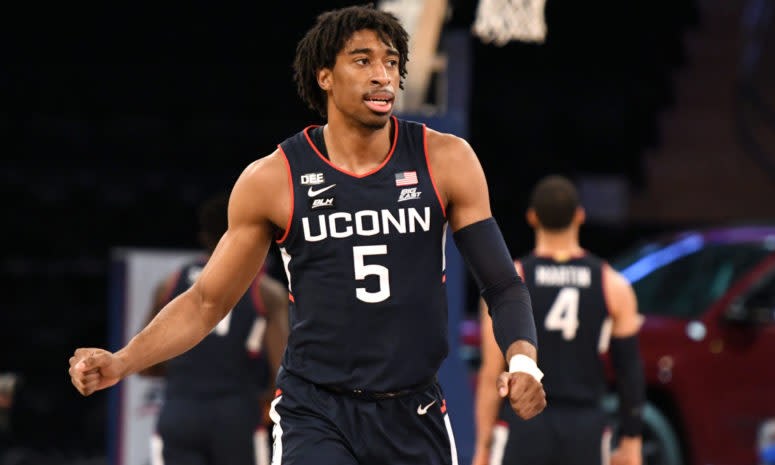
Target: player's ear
column 580, row 216
column 325, row 78
column 532, row 218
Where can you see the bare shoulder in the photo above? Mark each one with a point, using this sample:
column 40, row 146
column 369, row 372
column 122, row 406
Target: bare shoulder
column 447, row 148
column 614, row 280
column 266, row 172
column 459, row 179
column 262, row 192
column 448, row 157
column 618, row 291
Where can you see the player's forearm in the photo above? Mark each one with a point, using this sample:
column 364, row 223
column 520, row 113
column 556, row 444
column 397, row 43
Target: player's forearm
column 178, row 327
column 482, row 247
column 630, row 383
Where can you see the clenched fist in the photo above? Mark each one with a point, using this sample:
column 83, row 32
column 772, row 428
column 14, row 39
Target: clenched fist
column 525, row 393
column 94, row 369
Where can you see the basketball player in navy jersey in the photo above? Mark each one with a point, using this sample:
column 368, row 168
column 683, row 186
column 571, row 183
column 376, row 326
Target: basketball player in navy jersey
column 359, row 208
column 215, row 393
column 580, row 304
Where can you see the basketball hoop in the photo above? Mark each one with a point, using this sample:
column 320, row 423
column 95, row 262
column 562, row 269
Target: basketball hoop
column 501, row 21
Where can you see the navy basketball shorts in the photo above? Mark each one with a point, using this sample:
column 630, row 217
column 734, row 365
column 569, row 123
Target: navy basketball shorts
column 223, row 430
column 561, row 434
column 313, row 425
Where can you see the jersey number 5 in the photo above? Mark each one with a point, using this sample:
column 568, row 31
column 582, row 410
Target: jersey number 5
column 363, row 270
column 564, row 313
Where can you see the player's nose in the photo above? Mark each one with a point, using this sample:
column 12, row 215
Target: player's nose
column 380, row 75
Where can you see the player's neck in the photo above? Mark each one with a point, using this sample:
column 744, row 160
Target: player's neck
column 563, row 244
column 354, row 147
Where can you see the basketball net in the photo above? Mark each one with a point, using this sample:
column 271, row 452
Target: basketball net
column 501, row 21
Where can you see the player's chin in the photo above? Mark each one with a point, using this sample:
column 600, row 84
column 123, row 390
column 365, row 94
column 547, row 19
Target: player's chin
column 376, row 120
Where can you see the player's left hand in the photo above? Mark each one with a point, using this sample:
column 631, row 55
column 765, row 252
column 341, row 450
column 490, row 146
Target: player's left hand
column 525, row 393
column 628, row 452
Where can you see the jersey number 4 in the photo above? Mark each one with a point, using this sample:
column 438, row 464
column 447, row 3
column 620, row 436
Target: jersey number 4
column 564, row 316
column 564, row 313
column 362, row 270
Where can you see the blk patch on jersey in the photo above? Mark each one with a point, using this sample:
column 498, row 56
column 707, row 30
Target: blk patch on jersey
column 312, row 179
column 321, row 203
column 406, row 178
column 409, row 194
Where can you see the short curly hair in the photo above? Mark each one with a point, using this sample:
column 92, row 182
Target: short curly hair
column 555, row 201
column 321, row 44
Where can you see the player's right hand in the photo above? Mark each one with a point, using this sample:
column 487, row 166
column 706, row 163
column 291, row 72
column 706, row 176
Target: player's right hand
column 94, row 369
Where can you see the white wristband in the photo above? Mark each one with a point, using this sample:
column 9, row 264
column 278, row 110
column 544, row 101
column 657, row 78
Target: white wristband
column 525, row 364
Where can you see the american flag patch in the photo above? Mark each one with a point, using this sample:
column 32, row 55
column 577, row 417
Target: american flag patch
column 406, row 178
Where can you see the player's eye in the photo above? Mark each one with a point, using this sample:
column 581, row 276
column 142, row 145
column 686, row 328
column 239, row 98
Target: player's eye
column 392, row 63
column 362, row 61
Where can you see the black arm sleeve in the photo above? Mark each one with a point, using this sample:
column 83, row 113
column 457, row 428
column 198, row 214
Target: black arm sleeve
column 483, row 249
column 630, row 383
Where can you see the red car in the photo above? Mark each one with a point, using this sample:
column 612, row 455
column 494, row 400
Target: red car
column 708, row 343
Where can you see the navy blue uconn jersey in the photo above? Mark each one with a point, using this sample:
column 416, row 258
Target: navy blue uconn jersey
column 229, row 359
column 573, row 326
column 365, row 263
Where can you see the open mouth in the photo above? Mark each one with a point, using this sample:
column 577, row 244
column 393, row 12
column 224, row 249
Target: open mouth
column 380, row 103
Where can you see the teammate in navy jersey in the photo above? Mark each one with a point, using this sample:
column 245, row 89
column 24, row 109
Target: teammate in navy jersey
column 579, row 303
column 215, row 393
column 359, row 208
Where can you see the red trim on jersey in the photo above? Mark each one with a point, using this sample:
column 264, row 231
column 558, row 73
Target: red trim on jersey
column 260, row 428
column 602, row 285
column 444, row 278
column 502, row 423
column 430, row 173
column 384, row 162
column 290, row 182
column 255, row 292
column 443, row 405
column 278, row 393
column 290, row 297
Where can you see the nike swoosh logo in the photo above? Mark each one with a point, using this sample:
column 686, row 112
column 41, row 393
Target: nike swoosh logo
column 312, row 192
column 423, row 410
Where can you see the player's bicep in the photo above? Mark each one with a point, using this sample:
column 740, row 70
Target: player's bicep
column 461, row 179
column 623, row 305
column 240, row 252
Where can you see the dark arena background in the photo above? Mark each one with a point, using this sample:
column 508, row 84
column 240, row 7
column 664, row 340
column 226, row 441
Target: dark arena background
column 117, row 120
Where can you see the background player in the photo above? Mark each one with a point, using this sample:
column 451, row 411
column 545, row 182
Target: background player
column 361, row 223
column 215, row 392
column 579, row 302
